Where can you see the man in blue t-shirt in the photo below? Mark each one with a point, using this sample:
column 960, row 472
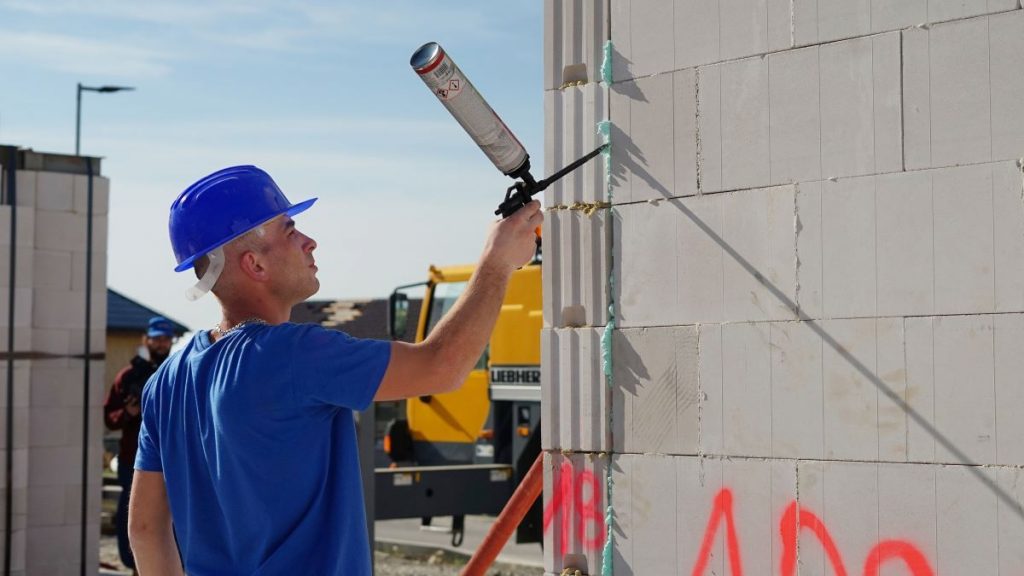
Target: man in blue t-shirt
column 247, row 454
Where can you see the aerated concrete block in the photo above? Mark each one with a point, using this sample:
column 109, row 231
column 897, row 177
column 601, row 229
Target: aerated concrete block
column 571, row 122
column 965, row 403
column 574, row 34
column 859, row 101
column 759, row 267
column 575, row 274
column 26, row 227
column 838, row 19
column 744, row 29
column 850, row 393
column 52, row 269
column 710, row 389
column 1011, row 520
column 1008, row 214
column 550, row 388
column 23, row 298
column 906, row 253
column 760, row 492
column 55, row 191
column 25, row 182
column 907, row 509
column 961, row 91
column 642, row 35
column 49, row 340
column 100, row 195
column 797, row 395
column 700, row 259
column 891, row 383
column 968, row 529
column 648, row 502
column 697, row 32
column 964, row 251
column 51, row 427
column 804, row 22
column 848, row 248
column 1006, row 41
column 646, row 262
column 46, row 506
column 746, row 390
column 920, row 353
column 59, row 230
column 574, row 506
column 887, row 59
column 643, row 159
column 52, row 466
column 744, row 123
column 80, row 267
column 942, row 10
column 850, row 507
column 1009, row 388
column 917, row 110
column 21, row 435
column 795, row 116
column 780, row 33
column 576, row 406
column 58, row 309
column 655, row 398
column 895, row 14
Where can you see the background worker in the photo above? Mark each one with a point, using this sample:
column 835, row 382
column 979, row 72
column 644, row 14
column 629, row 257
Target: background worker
column 121, row 411
column 248, row 441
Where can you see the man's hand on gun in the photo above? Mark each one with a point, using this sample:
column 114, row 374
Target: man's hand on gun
column 512, row 242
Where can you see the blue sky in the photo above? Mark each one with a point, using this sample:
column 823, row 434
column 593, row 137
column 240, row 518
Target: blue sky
column 320, row 94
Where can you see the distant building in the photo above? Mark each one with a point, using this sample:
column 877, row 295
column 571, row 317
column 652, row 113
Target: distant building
column 127, row 320
column 358, row 318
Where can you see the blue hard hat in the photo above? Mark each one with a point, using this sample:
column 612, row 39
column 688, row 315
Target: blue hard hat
column 159, row 326
column 223, row 206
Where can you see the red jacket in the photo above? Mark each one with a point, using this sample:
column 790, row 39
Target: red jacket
column 129, row 381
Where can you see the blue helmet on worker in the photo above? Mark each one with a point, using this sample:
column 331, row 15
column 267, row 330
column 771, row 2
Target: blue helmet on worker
column 224, row 206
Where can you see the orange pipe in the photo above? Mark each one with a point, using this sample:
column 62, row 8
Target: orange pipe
column 517, row 507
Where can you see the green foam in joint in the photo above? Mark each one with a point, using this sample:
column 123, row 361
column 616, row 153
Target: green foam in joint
column 606, row 65
column 606, row 552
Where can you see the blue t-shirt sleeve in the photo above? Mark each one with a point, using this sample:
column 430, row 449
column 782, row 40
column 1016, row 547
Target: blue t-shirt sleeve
column 148, row 456
column 331, row 367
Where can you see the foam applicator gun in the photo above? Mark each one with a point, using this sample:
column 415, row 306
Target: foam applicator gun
column 479, row 120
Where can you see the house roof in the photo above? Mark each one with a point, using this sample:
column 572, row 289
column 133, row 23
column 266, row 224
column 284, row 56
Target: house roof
column 358, row 318
column 123, row 313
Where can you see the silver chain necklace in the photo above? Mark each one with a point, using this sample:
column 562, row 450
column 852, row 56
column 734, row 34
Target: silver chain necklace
column 251, row 320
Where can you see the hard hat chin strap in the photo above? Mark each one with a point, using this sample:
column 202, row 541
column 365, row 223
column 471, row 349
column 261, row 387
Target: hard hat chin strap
column 209, row 279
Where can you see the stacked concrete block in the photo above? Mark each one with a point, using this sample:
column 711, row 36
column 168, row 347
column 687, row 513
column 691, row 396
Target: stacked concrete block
column 576, row 394
column 816, row 253
column 575, row 271
column 50, row 372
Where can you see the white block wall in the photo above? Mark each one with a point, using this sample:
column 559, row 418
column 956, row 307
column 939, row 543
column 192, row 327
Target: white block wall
column 815, row 257
column 49, row 366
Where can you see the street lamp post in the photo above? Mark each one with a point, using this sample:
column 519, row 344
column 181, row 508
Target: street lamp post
column 78, row 105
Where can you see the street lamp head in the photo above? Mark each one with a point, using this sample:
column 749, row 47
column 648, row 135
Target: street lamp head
column 114, row 88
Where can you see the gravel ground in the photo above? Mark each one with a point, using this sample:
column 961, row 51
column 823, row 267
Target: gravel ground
column 393, row 563
column 438, row 564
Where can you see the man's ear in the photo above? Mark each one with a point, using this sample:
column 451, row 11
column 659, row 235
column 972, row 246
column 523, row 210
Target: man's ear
column 251, row 264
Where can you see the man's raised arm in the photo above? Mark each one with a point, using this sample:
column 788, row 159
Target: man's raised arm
column 442, row 361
